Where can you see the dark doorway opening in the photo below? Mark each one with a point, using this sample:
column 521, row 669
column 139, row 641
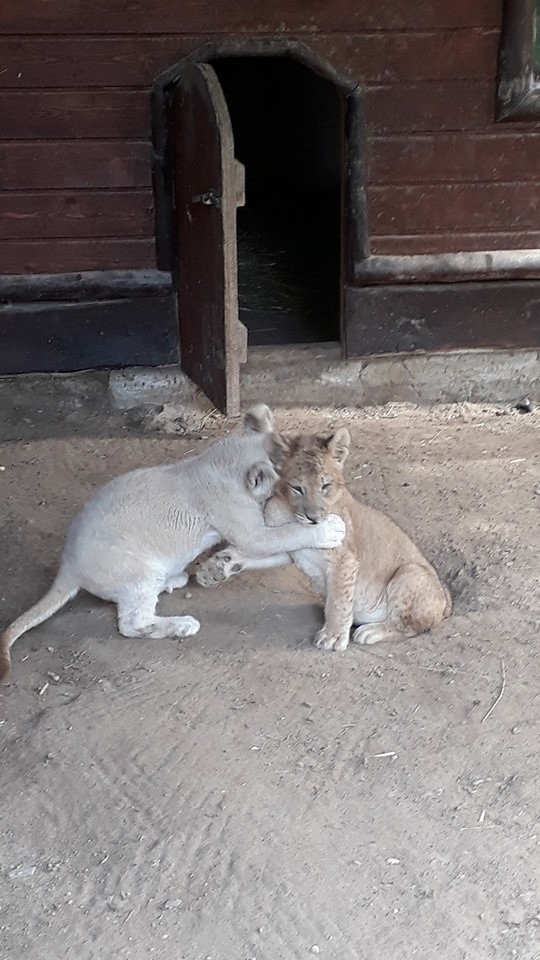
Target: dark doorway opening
column 288, row 128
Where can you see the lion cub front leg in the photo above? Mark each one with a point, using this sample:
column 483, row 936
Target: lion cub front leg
column 339, row 605
column 230, row 561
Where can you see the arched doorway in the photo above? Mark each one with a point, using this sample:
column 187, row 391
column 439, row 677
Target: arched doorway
column 287, row 126
column 267, row 263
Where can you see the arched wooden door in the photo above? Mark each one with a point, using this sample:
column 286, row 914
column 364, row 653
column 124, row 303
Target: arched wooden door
column 208, row 187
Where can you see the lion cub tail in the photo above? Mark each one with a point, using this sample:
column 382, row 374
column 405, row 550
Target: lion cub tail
column 63, row 589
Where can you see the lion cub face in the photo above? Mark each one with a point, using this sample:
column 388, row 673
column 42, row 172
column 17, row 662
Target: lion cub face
column 310, row 471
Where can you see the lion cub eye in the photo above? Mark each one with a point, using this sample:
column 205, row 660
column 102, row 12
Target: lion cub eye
column 298, row 490
column 326, row 487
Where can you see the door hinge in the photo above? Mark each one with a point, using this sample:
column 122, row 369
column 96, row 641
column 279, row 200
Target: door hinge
column 209, row 199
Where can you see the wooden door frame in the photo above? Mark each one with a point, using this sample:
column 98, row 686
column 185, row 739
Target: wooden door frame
column 518, row 89
column 354, row 230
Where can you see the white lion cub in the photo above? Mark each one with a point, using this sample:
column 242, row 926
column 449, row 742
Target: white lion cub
column 137, row 534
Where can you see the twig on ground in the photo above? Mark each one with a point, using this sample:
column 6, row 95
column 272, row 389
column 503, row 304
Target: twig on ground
column 479, row 826
column 501, row 691
column 435, row 435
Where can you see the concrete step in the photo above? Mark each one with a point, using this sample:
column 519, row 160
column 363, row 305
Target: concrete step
column 316, row 376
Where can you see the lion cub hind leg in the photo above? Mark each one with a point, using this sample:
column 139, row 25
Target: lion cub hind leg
column 416, row 602
column 137, row 616
column 176, row 583
column 227, row 563
column 370, row 633
column 219, row 567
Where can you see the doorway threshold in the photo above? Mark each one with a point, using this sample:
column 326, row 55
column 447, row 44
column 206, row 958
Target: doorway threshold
column 315, row 375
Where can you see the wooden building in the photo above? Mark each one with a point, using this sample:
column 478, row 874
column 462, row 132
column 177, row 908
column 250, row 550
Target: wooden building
column 354, row 171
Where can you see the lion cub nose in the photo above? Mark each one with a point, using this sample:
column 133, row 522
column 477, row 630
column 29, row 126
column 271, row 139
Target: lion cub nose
column 313, row 516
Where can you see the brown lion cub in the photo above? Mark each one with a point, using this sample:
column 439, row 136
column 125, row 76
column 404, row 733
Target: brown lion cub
column 377, row 580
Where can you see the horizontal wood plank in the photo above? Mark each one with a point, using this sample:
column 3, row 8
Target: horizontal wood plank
column 265, row 16
column 68, row 114
column 135, row 61
column 464, row 207
column 455, row 242
column 71, row 62
column 88, row 285
column 445, row 158
column 38, row 216
column 388, row 57
column 64, row 164
column 492, row 265
column 436, row 317
column 66, row 256
column 81, row 336
column 429, row 106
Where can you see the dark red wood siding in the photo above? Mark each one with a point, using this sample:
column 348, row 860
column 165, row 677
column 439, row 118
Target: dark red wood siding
column 75, row 156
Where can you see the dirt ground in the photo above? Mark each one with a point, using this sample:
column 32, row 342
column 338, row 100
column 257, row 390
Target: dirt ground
column 242, row 796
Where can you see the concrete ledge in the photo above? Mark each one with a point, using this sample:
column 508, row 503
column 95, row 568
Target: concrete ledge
column 314, row 375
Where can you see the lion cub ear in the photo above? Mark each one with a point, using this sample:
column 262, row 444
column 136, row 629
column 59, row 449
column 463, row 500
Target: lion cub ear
column 277, row 448
column 260, row 480
column 338, row 444
column 258, row 419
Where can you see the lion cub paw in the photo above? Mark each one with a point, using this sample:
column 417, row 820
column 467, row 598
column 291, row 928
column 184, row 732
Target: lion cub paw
column 217, row 568
column 327, row 641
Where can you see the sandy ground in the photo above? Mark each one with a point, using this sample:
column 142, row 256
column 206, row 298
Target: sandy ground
column 242, row 796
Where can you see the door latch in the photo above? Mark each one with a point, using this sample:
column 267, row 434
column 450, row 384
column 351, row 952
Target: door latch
column 209, row 199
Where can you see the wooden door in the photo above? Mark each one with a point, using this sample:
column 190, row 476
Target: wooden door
column 208, row 187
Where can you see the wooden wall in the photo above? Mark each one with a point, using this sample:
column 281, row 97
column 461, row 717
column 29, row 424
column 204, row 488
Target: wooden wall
column 75, row 154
